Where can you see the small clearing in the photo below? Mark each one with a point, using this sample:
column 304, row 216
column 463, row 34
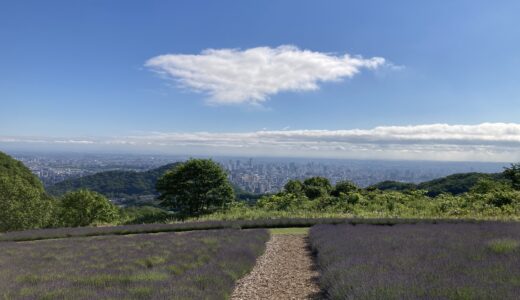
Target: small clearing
column 284, row 271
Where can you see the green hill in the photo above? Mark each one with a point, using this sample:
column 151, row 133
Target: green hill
column 23, row 201
column 13, row 168
column 454, row 184
column 114, row 184
column 390, row 185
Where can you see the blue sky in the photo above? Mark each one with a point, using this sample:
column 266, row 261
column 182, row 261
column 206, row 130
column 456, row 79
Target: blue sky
column 77, row 71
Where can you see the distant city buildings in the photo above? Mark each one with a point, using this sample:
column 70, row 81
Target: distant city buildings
column 255, row 175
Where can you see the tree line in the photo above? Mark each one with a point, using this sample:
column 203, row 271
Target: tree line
column 200, row 187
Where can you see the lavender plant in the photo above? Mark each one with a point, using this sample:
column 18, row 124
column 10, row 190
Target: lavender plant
column 421, row 261
column 53, row 233
column 189, row 265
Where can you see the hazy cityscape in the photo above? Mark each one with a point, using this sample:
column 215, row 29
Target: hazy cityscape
column 255, row 175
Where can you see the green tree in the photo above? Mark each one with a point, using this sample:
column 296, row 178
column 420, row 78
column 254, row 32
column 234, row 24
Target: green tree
column 345, row 187
column 84, row 207
column 195, row 187
column 316, row 187
column 293, row 187
column 23, row 201
column 23, row 206
column 513, row 174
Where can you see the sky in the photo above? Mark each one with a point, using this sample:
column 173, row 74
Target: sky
column 344, row 79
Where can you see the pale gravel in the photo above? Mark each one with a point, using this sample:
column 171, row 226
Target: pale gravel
column 285, row 271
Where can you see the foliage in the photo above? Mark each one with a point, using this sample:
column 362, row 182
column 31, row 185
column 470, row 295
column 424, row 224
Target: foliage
column 503, row 245
column 282, row 201
column 193, row 265
column 23, row 202
column 84, row 207
column 513, row 174
column 195, row 187
column 23, row 206
column 454, row 184
column 434, row 261
column 293, row 187
column 495, row 200
column 114, row 183
column 346, row 187
column 13, row 168
column 145, row 214
column 394, row 186
column 315, row 187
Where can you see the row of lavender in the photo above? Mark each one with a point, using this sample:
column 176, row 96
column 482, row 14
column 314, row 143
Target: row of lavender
column 421, row 261
column 189, row 265
column 53, row 233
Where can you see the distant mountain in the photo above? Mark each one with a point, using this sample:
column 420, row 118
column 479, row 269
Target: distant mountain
column 454, row 184
column 114, row 184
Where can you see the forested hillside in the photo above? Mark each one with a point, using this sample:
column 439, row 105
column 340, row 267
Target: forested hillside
column 23, row 201
column 13, row 168
column 114, row 183
column 453, row 184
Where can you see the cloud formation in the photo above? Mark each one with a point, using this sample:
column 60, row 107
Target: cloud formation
column 481, row 142
column 233, row 76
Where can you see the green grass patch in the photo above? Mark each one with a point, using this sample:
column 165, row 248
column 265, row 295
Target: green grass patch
column 290, row 230
column 503, row 245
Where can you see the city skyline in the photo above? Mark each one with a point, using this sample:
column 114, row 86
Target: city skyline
column 254, row 175
column 417, row 81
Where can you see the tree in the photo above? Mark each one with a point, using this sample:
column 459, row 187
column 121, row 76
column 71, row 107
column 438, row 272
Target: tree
column 195, row 187
column 513, row 174
column 316, row 187
column 293, row 187
column 23, row 206
column 84, row 207
column 345, row 187
column 23, row 201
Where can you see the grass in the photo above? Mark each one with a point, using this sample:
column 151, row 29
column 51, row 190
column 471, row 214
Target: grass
column 420, row 261
column 290, row 230
column 188, row 265
column 504, row 245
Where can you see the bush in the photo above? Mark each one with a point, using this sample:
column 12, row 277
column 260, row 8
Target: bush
column 293, row 187
column 315, row 187
column 84, row 207
column 284, row 201
column 23, row 206
column 145, row 214
column 345, row 187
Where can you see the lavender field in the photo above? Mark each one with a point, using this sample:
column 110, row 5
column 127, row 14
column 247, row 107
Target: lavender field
column 188, row 265
column 420, row 261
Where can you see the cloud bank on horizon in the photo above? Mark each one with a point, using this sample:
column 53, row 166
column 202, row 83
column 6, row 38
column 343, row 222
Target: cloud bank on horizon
column 481, row 142
column 233, row 76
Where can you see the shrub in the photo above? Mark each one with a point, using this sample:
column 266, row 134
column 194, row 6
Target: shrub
column 315, row 187
column 345, row 187
column 23, row 206
column 84, row 207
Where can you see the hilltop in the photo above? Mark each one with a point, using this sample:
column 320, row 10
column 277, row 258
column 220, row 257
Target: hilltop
column 454, row 184
column 115, row 184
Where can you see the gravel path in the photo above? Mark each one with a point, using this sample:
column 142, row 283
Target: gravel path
column 284, row 271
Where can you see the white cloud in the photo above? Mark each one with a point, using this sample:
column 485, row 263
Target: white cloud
column 232, row 76
column 481, row 142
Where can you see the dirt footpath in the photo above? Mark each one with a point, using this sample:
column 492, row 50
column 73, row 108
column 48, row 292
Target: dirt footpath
column 284, row 271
